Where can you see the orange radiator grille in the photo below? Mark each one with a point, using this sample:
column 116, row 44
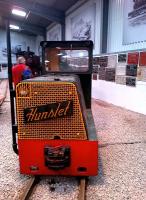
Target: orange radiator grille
column 37, row 94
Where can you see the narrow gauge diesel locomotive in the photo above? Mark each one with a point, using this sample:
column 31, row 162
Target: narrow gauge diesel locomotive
column 54, row 131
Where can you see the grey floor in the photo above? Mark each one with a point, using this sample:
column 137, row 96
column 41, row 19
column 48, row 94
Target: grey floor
column 122, row 154
column 122, row 159
column 4, row 73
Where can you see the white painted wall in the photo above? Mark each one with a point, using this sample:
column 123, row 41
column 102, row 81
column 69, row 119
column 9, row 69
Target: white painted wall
column 130, row 98
column 81, row 7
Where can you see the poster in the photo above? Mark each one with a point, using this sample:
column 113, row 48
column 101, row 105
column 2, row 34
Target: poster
column 141, row 74
column 121, row 70
column 120, row 80
column 142, row 59
column 131, row 81
column 83, row 25
column 122, row 58
column 103, row 60
column 102, row 73
column 131, row 70
column 54, row 34
column 110, row 74
column 133, row 58
column 112, row 61
column 95, row 69
column 134, row 21
column 96, row 60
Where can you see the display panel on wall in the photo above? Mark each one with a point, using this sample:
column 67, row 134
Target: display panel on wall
column 142, row 60
column 134, row 21
column 141, row 74
column 124, row 68
column 121, row 70
column 103, row 61
column 122, row 58
column 131, row 70
column 133, row 58
column 83, row 25
column 54, row 34
column 112, row 61
column 131, row 81
column 120, row 79
column 110, row 74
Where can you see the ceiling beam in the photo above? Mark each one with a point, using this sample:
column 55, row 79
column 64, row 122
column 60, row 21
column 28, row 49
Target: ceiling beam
column 48, row 13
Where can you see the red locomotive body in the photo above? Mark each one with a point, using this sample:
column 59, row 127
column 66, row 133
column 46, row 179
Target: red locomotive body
column 56, row 131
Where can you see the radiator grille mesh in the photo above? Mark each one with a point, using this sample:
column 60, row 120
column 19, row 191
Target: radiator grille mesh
column 32, row 94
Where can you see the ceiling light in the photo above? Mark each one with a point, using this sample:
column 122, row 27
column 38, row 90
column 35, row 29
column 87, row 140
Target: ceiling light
column 47, row 61
column 60, row 54
column 66, row 56
column 19, row 12
column 14, row 27
column 81, row 54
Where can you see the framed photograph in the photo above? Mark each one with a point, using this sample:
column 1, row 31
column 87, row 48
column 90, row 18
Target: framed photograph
column 120, row 80
column 141, row 74
column 122, row 58
column 83, row 25
column 134, row 21
column 110, row 74
column 102, row 73
column 142, row 59
column 131, row 81
column 121, row 70
column 95, row 69
column 133, row 58
column 103, row 61
column 112, row 61
column 131, row 70
column 54, row 34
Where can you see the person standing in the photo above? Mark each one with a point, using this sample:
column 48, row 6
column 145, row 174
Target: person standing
column 20, row 71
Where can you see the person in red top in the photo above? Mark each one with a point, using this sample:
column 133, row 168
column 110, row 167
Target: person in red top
column 19, row 69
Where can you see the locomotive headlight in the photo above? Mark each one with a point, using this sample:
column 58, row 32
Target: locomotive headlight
column 23, row 92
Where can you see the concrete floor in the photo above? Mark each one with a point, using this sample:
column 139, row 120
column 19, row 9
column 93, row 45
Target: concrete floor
column 4, row 73
column 122, row 158
column 122, row 154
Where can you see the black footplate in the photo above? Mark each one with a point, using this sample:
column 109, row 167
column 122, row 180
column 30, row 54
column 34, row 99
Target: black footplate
column 57, row 157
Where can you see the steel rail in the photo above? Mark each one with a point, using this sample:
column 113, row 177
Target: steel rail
column 82, row 189
column 30, row 188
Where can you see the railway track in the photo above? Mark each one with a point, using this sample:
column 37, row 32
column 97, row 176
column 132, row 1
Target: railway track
column 32, row 184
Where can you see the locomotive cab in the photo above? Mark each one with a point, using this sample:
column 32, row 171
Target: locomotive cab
column 56, row 132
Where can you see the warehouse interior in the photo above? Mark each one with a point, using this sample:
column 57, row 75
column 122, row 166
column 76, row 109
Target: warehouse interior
column 117, row 29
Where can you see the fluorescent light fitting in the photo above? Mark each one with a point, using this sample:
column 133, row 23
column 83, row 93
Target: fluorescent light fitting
column 14, row 27
column 47, row 61
column 60, row 54
column 19, row 12
column 81, row 54
column 66, row 56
